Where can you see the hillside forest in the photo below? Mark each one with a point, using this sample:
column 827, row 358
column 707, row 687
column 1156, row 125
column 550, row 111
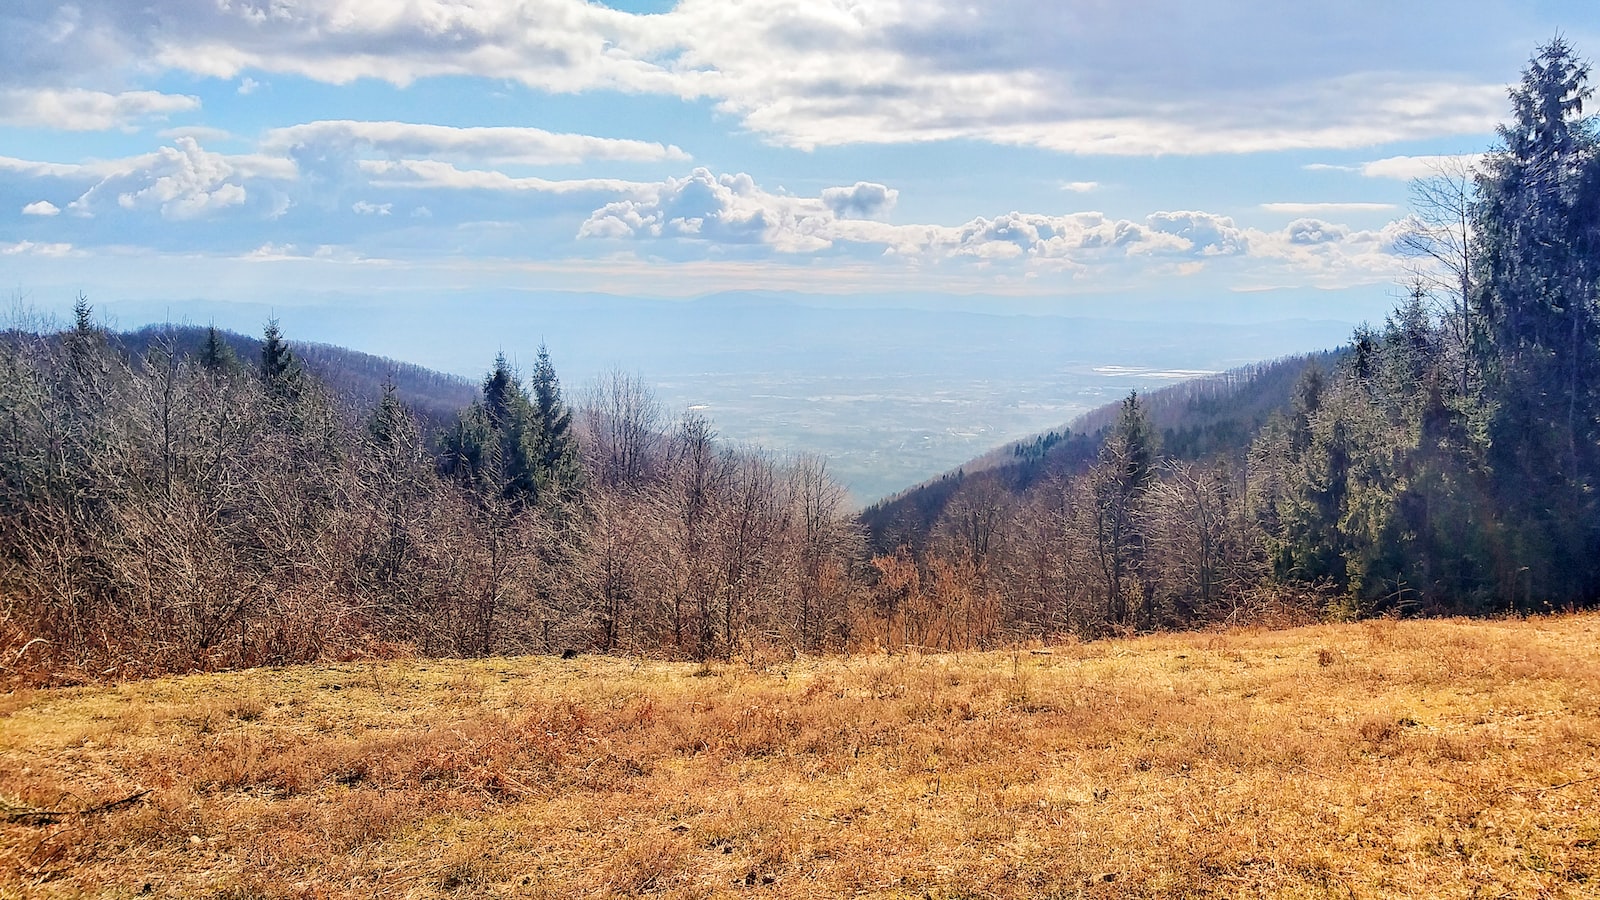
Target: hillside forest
column 183, row 499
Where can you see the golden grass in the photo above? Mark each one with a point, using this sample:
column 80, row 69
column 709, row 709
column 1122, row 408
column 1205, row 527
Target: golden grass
column 1436, row 759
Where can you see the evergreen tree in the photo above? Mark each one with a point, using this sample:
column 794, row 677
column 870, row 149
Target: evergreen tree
column 390, row 425
column 216, row 356
column 1120, row 481
column 280, row 373
column 1538, row 252
column 555, row 446
column 494, row 444
column 83, row 317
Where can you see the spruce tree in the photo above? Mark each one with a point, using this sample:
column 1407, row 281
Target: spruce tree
column 216, row 356
column 280, row 373
column 494, row 444
column 1123, row 476
column 1538, row 252
column 556, row 447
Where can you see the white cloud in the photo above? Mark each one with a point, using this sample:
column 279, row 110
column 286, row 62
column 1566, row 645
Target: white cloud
column 1404, row 168
column 81, row 110
column 1303, row 209
column 41, row 208
column 34, row 169
column 1080, row 187
column 179, row 182
column 1315, row 253
column 425, row 173
column 563, row 45
column 1163, row 77
column 527, row 146
column 704, row 214
column 863, row 200
column 29, row 248
column 363, row 208
column 204, row 133
column 1407, row 168
column 1155, row 78
column 719, row 209
column 248, row 86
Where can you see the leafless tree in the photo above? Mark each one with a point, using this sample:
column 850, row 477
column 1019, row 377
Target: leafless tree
column 623, row 426
column 1438, row 237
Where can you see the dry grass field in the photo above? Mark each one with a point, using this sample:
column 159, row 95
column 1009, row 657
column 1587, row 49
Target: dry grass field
column 1427, row 759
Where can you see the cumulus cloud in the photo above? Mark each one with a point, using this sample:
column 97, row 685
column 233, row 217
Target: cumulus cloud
column 180, row 182
column 1201, row 233
column 83, row 110
column 41, row 208
column 1080, row 187
column 1314, row 231
column 863, row 200
column 731, row 209
column 1318, row 253
column 527, row 146
column 724, row 209
column 363, row 208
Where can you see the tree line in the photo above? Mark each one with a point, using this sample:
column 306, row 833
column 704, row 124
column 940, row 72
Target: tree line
column 1447, row 464
column 171, row 510
column 181, row 507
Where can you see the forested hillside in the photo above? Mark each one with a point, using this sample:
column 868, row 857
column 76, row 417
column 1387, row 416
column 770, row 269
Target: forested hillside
column 172, row 507
column 356, row 379
column 190, row 500
column 1447, row 464
column 1209, row 418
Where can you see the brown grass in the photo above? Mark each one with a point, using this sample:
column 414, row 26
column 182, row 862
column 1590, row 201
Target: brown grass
column 1443, row 758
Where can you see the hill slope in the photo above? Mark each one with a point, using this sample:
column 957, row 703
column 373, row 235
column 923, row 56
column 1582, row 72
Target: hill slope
column 1197, row 419
column 1385, row 759
column 355, row 377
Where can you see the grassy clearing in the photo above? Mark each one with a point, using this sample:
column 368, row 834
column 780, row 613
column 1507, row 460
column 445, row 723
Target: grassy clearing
column 1443, row 758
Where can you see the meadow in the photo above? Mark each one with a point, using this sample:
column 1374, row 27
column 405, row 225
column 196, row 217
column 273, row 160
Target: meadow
column 1443, row 758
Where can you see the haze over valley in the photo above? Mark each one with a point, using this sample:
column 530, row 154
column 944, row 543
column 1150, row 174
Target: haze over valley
column 889, row 396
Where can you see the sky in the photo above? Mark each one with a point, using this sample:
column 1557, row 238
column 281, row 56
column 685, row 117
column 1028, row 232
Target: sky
column 1075, row 156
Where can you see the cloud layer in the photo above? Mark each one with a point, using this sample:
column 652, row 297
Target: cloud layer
column 1092, row 78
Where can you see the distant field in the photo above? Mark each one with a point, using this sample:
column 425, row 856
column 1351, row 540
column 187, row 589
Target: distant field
column 1425, row 759
column 883, row 433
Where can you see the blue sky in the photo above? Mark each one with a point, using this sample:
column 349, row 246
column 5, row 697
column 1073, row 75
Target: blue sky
column 1043, row 156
